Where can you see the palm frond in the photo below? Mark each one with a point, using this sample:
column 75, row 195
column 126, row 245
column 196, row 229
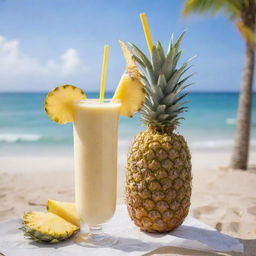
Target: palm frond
column 247, row 33
column 231, row 8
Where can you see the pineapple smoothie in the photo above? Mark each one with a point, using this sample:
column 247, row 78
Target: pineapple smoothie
column 95, row 128
column 95, row 150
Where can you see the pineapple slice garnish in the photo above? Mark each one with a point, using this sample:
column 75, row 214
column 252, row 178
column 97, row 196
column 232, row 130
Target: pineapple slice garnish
column 65, row 210
column 47, row 227
column 130, row 90
column 58, row 104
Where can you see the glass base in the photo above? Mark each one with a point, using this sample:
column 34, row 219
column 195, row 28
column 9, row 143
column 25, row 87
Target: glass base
column 94, row 237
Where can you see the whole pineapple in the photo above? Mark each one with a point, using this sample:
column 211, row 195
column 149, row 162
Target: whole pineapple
column 158, row 177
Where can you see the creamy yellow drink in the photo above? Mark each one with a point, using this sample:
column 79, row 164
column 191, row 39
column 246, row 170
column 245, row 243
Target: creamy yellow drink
column 95, row 145
column 95, row 151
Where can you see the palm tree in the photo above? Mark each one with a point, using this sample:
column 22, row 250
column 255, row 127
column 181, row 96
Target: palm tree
column 243, row 13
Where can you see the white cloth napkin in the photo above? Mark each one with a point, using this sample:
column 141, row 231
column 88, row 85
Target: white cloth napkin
column 192, row 234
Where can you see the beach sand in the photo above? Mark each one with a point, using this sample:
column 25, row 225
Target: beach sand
column 222, row 198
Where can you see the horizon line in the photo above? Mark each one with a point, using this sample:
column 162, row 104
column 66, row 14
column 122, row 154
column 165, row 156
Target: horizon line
column 34, row 92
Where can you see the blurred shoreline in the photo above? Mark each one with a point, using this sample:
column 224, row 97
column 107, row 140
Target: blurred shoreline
column 35, row 150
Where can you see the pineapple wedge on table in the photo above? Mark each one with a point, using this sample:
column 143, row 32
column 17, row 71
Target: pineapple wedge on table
column 158, row 175
column 58, row 224
column 65, row 210
column 47, row 227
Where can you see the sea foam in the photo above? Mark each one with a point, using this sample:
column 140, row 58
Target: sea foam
column 12, row 138
column 216, row 144
column 231, row 121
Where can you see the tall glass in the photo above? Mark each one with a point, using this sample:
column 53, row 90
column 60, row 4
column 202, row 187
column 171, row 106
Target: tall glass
column 95, row 153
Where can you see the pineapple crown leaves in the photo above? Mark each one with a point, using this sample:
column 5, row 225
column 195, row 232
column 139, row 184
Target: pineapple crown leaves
column 164, row 84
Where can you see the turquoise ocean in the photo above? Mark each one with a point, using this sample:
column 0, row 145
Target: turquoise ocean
column 25, row 128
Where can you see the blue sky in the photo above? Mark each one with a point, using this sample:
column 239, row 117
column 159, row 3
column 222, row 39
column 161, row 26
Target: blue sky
column 44, row 43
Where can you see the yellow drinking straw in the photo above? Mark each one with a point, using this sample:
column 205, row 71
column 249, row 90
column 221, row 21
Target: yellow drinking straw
column 104, row 72
column 144, row 22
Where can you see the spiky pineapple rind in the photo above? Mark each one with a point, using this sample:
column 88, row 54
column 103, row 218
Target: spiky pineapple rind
column 158, row 181
column 38, row 237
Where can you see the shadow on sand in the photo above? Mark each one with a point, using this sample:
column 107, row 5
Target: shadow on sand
column 249, row 250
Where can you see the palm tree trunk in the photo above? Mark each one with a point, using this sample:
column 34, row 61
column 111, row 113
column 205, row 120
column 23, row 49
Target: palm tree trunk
column 240, row 154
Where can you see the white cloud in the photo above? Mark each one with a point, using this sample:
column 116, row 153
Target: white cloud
column 67, row 64
column 21, row 72
column 70, row 61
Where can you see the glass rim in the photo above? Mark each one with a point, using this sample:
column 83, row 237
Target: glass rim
column 96, row 100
